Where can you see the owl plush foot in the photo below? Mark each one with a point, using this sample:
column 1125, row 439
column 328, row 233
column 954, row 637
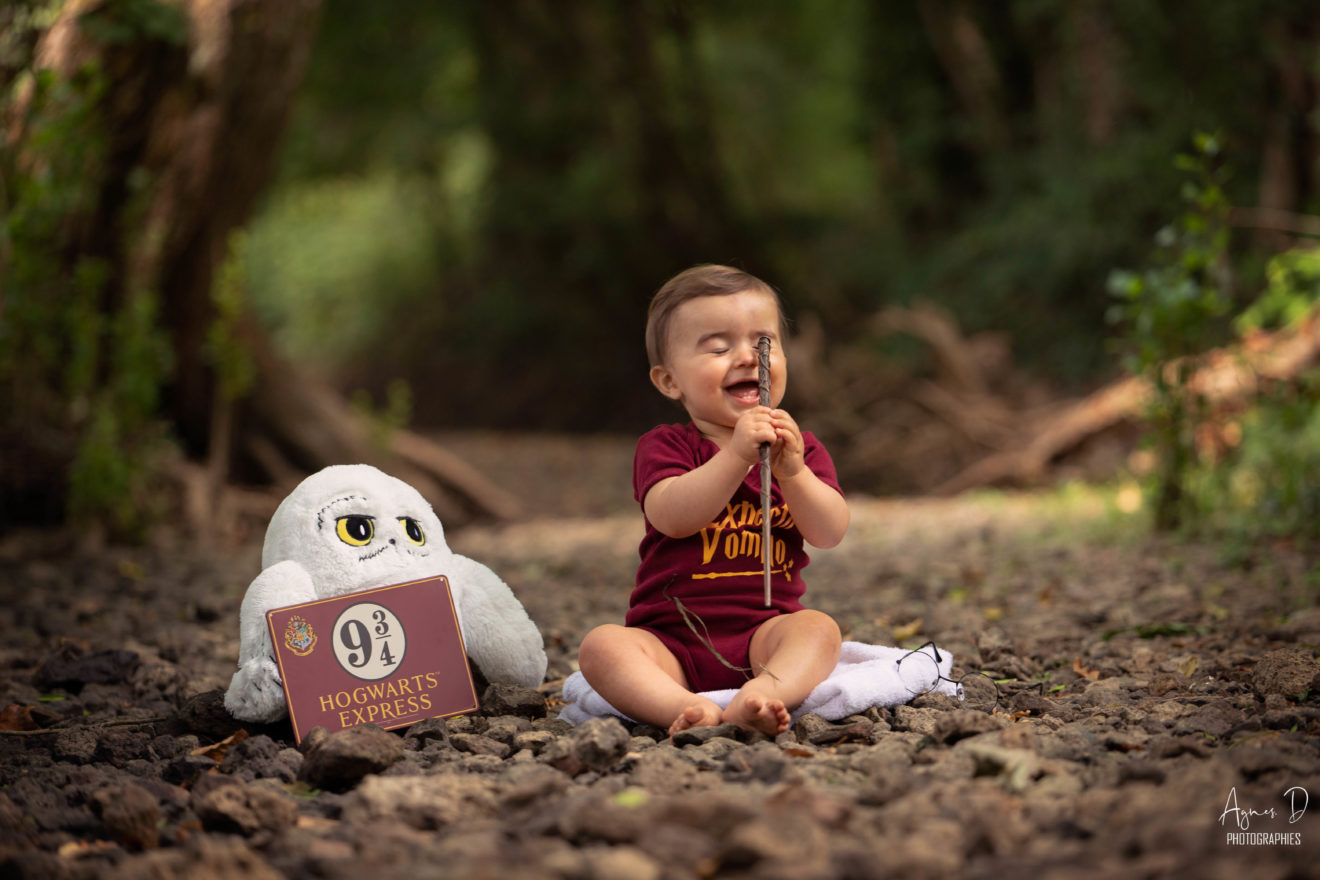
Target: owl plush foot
column 256, row 693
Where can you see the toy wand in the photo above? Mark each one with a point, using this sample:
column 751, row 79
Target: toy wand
column 763, row 393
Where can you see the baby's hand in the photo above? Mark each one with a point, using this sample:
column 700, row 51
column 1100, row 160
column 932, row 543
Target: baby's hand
column 754, row 427
column 786, row 455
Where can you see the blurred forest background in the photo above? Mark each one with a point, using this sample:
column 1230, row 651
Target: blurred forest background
column 247, row 238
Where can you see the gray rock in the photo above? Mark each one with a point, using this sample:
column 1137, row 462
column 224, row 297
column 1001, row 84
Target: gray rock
column 342, row 759
column 593, row 745
column 203, row 855
column 768, row 765
column 130, row 813
column 70, row 668
column 245, row 809
column 1215, row 718
column 916, row 720
column 850, row 730
column 1018, row 767
column 1287, row 672
column 531, row 784
column 426, row 730
column 534, row 741
column 187, row 769
column 260, row 757
column 505, row 727
column 479, row 744
column 960, row 724
column 662, row 770
column 76, row 745
column 512, row 699
column 422, row 802
column 695, row 736
column 621, row 863
column 118, row 746
column 205, row 715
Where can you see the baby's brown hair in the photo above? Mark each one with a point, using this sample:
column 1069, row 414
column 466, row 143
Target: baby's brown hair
column 707, row 279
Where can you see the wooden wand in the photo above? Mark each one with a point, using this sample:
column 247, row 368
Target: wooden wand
column 763, row 392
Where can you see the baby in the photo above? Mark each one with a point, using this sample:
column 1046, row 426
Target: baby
column 697, row 619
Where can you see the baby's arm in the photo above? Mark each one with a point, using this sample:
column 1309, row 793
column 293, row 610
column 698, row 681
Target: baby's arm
column 683, row 505
column 820, row 512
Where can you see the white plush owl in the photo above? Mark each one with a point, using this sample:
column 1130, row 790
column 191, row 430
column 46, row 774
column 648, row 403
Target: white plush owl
column 349, row 528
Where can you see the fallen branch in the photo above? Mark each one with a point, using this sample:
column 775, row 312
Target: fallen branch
column 1225, row 375
column 1276, row 220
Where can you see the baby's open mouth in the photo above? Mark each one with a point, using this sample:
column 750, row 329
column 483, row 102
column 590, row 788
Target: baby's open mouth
column 744, row 392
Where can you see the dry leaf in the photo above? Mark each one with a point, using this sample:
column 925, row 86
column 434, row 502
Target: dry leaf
column 1188, row 666
column 907, row 630
column 1083, row 671
column 16, row 717
column 216, row 752
column 76, row 849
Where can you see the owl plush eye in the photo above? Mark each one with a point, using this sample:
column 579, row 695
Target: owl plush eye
column 355, row 530
column 413, row 530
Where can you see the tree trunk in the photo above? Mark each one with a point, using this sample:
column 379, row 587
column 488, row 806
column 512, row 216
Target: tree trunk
column 192, row 121
column 965, row 55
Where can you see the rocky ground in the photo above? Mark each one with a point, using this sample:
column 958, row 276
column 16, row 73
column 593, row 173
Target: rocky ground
column 1148, row 688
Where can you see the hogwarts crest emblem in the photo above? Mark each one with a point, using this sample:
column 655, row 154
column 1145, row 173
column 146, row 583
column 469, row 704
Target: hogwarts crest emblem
column 299, row 637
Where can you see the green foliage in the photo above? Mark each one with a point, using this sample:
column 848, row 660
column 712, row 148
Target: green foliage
column 127, row 22
column 1267, row 483
column 1170, row 312
column 1173, row 308
column 234, row 369
column 393, row 416
column 79, row 357
column 1269, row 486
column 1239, row 475
column 1292, row 289
column 562, row 167
column 335, row 266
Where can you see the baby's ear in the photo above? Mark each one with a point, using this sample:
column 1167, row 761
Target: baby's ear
column 664, row 382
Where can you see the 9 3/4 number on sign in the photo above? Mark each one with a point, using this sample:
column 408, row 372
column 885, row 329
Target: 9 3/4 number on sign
column 369, row 641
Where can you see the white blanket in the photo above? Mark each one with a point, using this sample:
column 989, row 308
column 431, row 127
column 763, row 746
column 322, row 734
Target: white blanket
column 867, row 675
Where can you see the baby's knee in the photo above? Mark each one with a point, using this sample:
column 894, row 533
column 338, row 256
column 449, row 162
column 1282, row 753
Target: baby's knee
column 819, row 625
column 600, row 644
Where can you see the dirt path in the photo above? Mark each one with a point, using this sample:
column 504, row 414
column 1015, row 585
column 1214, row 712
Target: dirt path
column 1146, row 689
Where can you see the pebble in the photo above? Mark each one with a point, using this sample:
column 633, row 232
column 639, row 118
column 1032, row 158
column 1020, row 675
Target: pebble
column 1287, row 672
column 245, row 808
column 593, row 745
column 130, row 814
column 512, row 699
column 340, row 760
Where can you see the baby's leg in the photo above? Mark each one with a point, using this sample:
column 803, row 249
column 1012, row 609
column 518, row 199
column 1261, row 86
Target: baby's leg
column 791, row 654
column 634, row 671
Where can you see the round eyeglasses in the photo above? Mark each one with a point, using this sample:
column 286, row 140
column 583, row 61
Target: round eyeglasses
column 919, row 671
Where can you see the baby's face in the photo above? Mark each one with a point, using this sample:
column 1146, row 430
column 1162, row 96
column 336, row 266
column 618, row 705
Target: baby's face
column 711, row 358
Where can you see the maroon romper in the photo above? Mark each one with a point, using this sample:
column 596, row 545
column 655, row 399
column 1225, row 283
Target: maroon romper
column 716, row 574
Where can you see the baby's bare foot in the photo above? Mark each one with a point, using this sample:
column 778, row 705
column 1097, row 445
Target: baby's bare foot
column 703, row 714
column 753, row 711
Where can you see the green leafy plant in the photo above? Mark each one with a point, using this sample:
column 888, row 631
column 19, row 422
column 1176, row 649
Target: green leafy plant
column 1170, row 312
column 1267, row 483
column 82, row 356
column 394, row 415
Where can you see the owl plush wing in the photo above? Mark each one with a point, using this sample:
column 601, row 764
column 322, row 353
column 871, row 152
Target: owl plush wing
column 256, row 692
column 497, row 633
